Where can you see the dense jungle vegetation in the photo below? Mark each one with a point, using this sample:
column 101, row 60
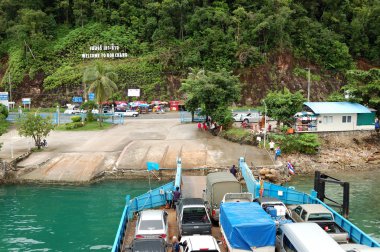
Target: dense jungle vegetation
column 41, row 41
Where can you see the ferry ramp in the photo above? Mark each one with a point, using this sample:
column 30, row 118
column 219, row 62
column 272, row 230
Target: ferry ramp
column 193, row 186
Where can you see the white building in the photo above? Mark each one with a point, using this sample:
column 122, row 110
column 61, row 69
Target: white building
column 337, row 116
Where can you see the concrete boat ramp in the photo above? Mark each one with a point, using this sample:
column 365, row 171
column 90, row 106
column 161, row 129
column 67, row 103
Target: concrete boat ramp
column 79, row 157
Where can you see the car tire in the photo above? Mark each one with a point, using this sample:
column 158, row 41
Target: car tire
column 246, row 120
column 134, row 115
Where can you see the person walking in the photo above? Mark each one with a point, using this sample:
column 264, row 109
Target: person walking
column 233, row 170
column 271, row 145
column 199, row 126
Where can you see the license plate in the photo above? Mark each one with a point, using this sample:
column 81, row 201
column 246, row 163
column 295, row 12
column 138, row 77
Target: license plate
column 196, row 226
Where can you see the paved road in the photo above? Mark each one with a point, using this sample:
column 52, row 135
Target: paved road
column 79, row 156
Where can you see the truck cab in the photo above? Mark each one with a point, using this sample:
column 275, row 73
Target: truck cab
column 197, row 243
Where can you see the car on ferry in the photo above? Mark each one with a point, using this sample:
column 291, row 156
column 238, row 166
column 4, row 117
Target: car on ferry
column 198, row 243
column 192, row 217
column 304, row 237
column 319, row 214
column 152, row 224
column 151, row 245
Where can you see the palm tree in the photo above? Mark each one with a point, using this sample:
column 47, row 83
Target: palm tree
column 101, row 80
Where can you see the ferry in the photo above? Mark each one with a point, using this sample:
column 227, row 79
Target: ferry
column 193, row 186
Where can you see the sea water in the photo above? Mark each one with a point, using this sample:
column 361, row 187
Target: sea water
column 63, row 218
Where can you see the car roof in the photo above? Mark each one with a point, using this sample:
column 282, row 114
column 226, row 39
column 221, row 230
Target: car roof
column 308, row 236
column 151, row 214
column 192, row 201
column 199, row 242
column 315, row 208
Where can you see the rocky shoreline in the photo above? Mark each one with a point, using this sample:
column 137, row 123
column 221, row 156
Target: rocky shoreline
column 355, row 151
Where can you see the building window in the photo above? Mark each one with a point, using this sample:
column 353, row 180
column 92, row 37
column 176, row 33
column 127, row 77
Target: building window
column 327, row 119
column 346, row 119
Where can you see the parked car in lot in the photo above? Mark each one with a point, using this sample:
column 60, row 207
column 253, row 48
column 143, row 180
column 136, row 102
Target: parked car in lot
column 152, row 224
column 128, row 113
column 148, row 245
column 198, row 243
column 192, row 217
column 320, row 215
column 247, row 117
column 72, row 111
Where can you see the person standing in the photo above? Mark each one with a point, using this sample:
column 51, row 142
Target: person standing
column 199, row 126
column 233, row 170
column 377, row 125
column 176, row 196
column 271, row 145
column 277, row 153
column 175, row 244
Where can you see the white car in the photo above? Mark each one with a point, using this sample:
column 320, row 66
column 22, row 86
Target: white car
column 247, row 117
column 129, row 113
column 72, row 111
column 152, row 224
column 199, row 243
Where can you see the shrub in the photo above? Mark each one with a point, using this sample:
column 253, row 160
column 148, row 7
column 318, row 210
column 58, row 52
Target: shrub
column 75, row 119
column 90, row 116
column 302, row 143
column 4, row 110
column 73, row 125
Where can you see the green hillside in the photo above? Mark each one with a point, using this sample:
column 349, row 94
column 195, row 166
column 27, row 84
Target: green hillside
column 269, row 43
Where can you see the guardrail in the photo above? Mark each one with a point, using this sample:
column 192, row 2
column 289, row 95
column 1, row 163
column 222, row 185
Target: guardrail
column 291, row 196
column 151, row 199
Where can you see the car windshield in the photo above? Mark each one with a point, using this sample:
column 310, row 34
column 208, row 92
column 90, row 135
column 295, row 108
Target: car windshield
column 320, row 217
column 195, row 215
column 151, row 225
column 144, row 245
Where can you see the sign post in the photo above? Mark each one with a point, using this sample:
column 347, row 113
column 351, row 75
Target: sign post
column 4, row 99
column 26, row 101
column 134, row 92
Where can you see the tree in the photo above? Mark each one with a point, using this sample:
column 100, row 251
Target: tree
column 35, row 126
column 364, row 87
column 282, row 105
column 213, row 91
column 101, row 80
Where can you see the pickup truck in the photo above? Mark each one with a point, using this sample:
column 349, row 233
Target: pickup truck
column 320, row 215
column 238, row 197
column 192, row 217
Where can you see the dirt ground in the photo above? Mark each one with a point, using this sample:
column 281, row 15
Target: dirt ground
column 79, row 156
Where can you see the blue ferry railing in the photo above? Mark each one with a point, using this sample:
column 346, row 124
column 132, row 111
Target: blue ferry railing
column 154, row 198
column 291, row 196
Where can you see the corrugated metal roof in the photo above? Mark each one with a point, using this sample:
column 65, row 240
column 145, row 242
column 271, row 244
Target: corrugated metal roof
column 336, row 107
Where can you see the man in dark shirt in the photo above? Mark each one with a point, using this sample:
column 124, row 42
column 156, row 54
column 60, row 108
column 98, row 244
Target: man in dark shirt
column 176, row 196
column 233, row 170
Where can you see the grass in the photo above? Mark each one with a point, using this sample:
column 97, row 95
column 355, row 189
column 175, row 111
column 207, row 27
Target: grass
column 40, row 110
column 90, row 126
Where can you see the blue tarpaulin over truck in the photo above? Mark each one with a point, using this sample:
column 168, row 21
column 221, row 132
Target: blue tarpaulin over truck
column 246, row 225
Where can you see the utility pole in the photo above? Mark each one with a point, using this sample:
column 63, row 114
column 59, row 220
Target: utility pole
column 10, row 85
column 308, row 84
column 265, row 123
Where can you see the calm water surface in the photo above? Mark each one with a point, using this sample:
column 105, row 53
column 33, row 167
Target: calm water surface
column 63, row 218
column 364, row 197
